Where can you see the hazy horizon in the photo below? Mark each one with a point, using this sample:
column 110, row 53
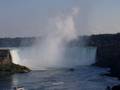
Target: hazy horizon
column 28, row 18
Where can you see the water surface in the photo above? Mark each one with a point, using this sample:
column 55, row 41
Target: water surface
column 83, row 78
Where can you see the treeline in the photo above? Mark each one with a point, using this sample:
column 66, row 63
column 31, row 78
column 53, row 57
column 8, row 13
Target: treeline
column 99, row 40
column 104, row 40
column 93, row 40
column 17, row 42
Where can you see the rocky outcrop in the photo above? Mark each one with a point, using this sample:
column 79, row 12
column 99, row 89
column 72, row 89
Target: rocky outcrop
column 108, row 52
column 7, row 66
column 9, row 69
column 116, row 87
column 109, row 56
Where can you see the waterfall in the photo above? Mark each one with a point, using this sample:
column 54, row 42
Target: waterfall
column 74, row 56
column 15, row 56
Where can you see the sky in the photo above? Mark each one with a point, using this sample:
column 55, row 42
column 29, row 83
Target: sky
column 25, row 18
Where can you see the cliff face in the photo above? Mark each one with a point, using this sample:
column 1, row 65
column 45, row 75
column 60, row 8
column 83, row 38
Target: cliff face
column 108, row 52
column 108, row 56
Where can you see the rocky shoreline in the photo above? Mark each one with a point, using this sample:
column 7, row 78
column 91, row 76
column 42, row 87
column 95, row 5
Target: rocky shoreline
column 7, row 67
column 10, row 69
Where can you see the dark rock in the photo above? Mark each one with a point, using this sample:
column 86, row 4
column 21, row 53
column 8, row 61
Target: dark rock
column 116, row 87
column 108, row 52
column 109, row 56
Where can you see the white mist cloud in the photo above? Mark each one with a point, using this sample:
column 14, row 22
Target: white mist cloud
column 76, row 11
column 50, row 50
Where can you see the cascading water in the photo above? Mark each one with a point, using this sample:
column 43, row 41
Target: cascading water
column 52, row 50
column 74, row 56
column 15, row 56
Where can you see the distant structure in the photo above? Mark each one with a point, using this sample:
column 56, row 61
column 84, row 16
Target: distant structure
column 5, row 57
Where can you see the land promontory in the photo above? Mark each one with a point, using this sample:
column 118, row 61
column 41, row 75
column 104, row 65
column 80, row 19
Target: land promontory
column 7, row 66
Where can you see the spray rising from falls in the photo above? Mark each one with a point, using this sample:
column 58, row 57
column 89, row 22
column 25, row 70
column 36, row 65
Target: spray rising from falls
column 51, row 50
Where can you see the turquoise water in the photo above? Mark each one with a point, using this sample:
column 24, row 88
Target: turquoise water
column 83, row 78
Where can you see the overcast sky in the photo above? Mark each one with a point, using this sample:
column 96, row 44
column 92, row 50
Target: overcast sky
column 30, row 17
